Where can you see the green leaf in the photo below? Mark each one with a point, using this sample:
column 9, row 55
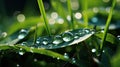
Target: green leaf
column 110, row 38
column 62, row 40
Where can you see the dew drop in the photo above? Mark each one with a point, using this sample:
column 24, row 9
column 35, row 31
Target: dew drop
column 58, row 58
column 35, row 60
column 68, row 36
column 87, row 31
column 21, row 53
column 66, row 56
column 73, row 60
column 96, row 60
column 57, row 40
column 24, row 43
column 76, row 35
column 44, row 41
column 22, row 34
column 118, row 37
column 81, row 32
column 17, row 65
column 93, row 50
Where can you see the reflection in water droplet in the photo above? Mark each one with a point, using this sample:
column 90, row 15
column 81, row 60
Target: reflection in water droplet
column 22, row 34
column 66, row 56
column 68, row 36
column 73, row 60
column 93, row 50
column 57, row 40
column 45, row 41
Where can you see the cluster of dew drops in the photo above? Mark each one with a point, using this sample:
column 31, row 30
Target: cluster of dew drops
column 57, row 41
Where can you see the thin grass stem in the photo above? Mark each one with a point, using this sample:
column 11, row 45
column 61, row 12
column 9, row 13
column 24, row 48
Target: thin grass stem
column 42, row 11
column 71, row 13
column 107, row 24
column 85, row 16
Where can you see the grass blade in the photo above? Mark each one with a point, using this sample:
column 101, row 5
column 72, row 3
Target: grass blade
column 107, row 24
column 71, row 13
column 42, row 11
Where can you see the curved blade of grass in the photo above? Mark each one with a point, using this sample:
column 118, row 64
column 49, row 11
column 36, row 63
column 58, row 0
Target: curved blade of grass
column 71, row 13
column 35, row 50
column 85, row 17
column 107, row 25
column 42, row 11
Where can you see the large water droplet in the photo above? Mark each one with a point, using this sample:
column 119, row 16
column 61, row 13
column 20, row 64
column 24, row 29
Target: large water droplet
column 67, row 36
column 22, row 34
column 45, row 41
column 66, row 56
column 57, row 40
column 93, row 50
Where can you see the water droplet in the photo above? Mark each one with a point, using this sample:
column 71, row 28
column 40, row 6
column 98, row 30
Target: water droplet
column 35, row 60
column 96, row 60
column 87, row 31
column 21, row 53
column 57, row 40
column 45, row 41
column 73, row 60
column 93, row 50
column 24, row 43
column 103, row 51
column 22, row 34
column 118, row 37
column 17, row 65
column 66, row 56
column 81, row 32
column 76, row 35
column 94, row 19
column 58, row 58
column 68, row 36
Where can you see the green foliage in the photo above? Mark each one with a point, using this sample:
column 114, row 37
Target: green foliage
column 46, row 37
